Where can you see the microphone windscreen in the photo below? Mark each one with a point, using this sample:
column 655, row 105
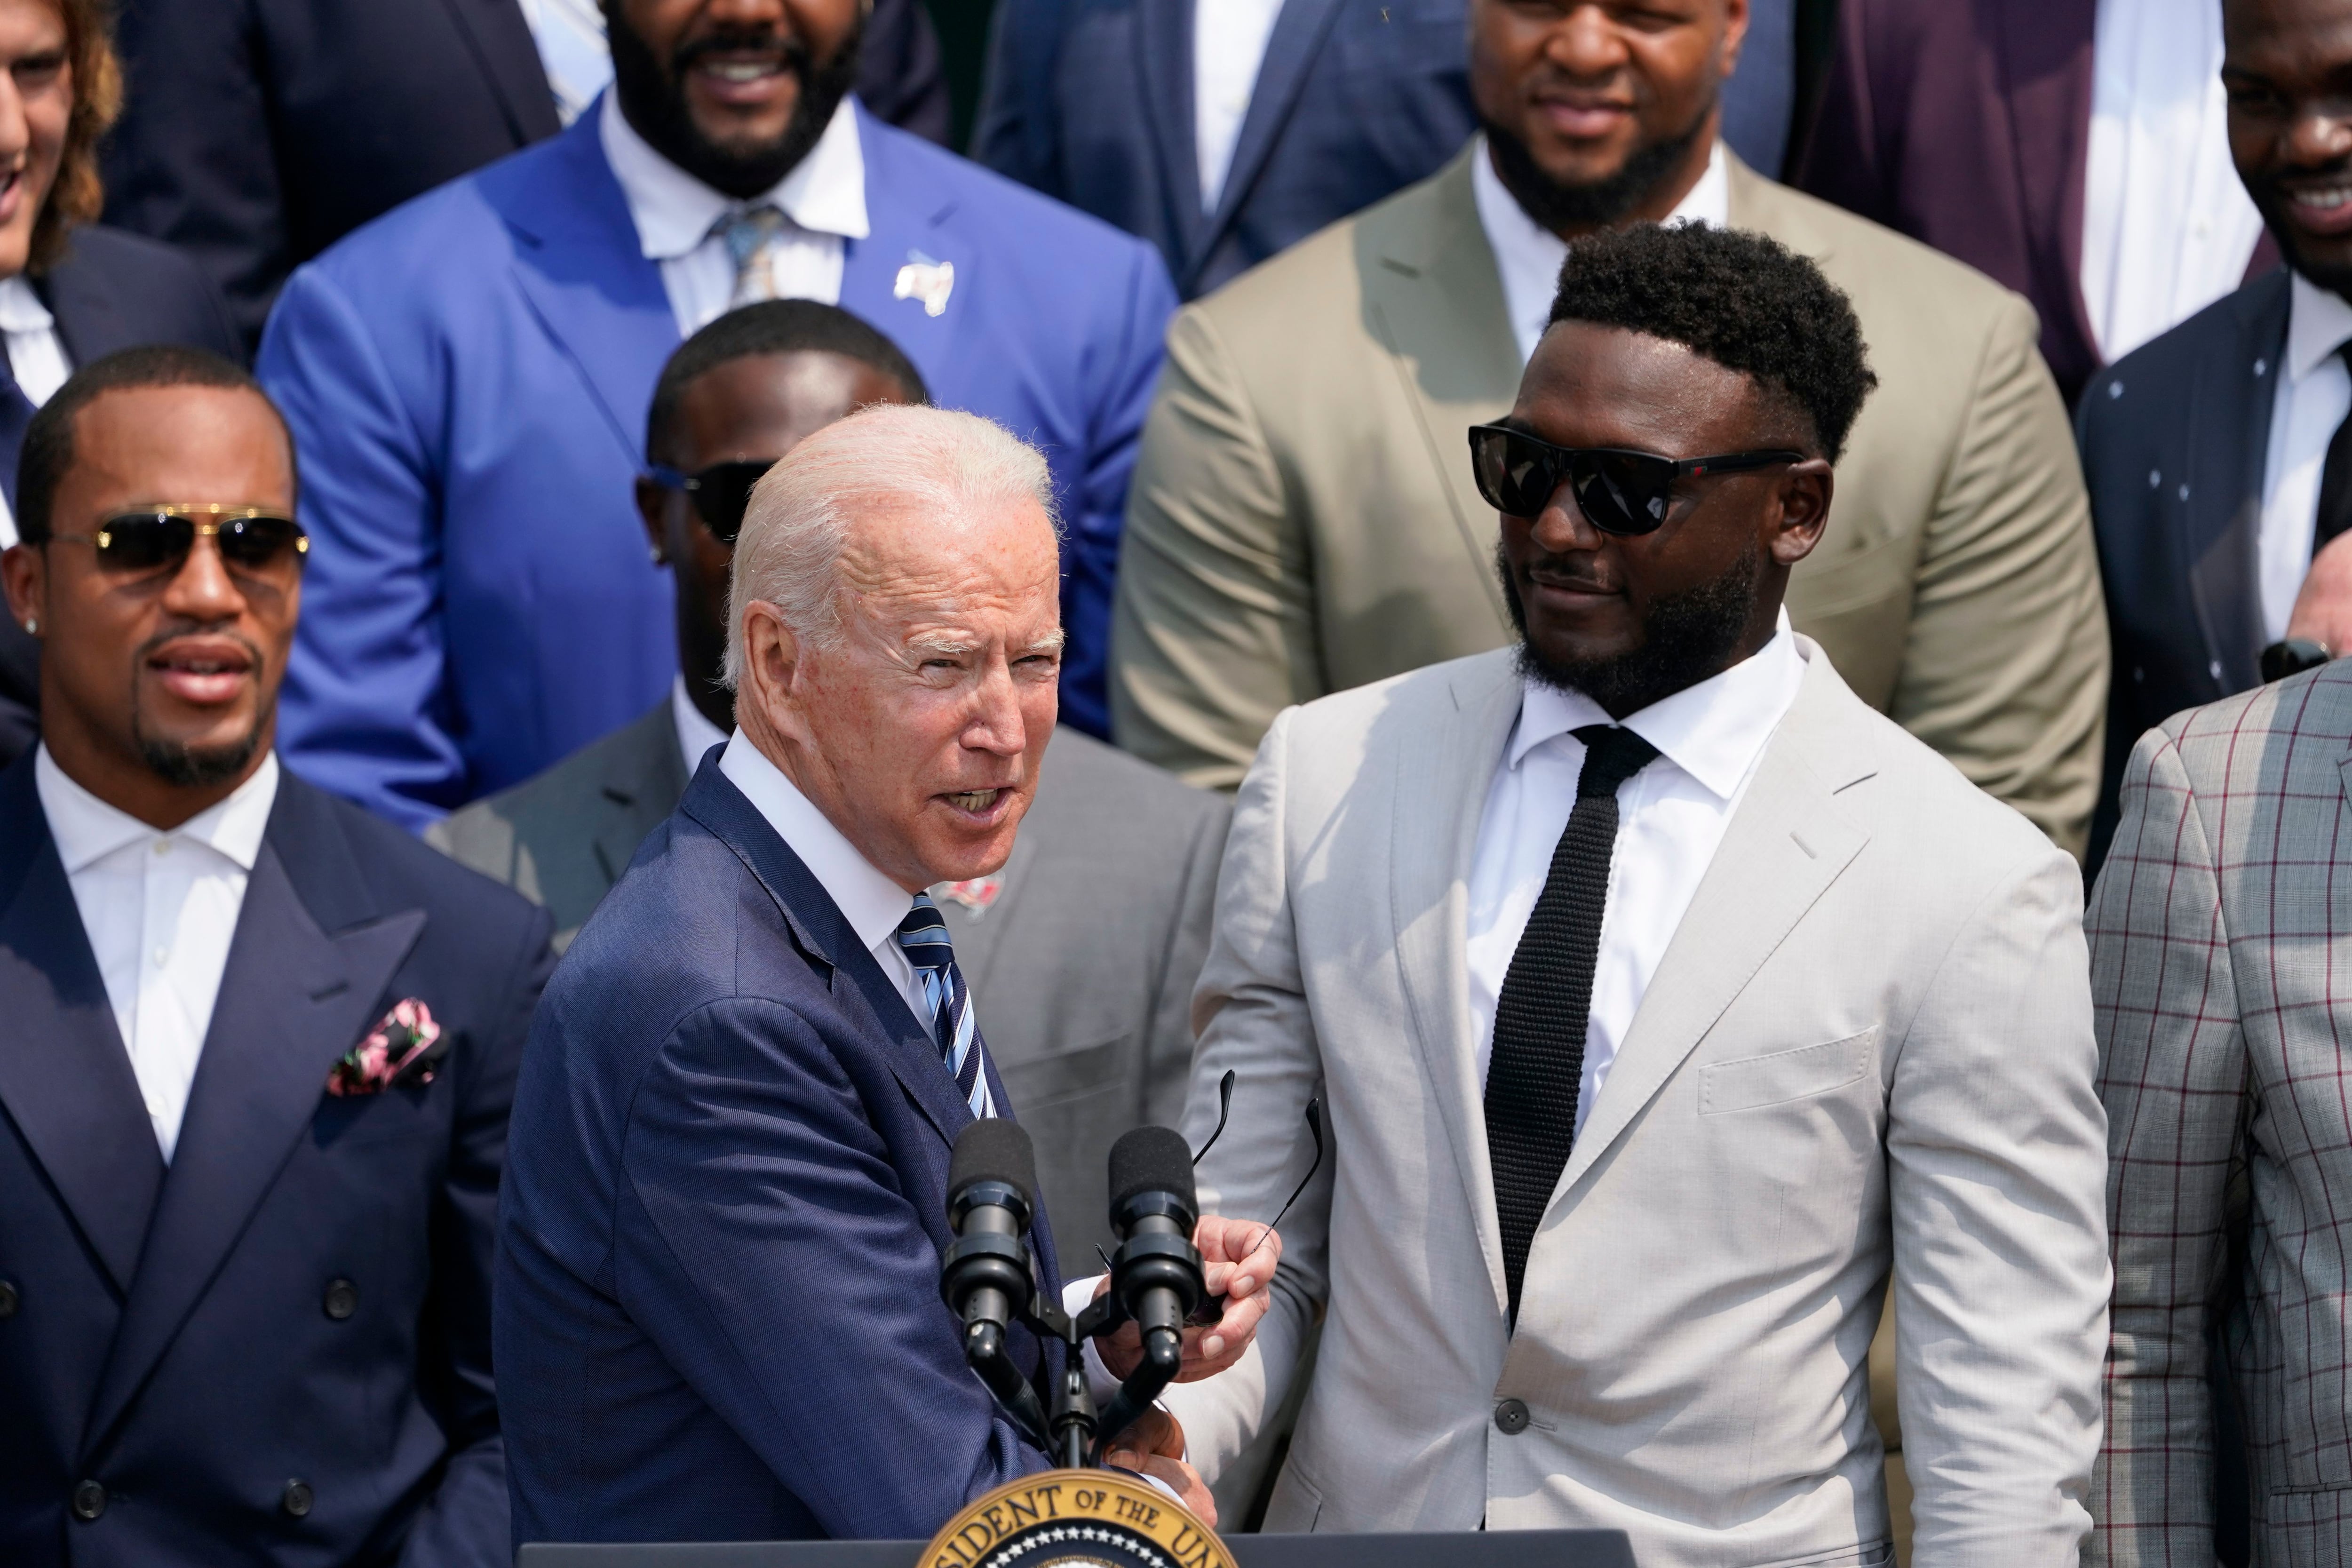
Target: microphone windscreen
column 994, row 1150
column 1151, row 1160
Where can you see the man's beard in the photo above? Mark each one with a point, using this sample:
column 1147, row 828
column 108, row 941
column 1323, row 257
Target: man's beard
column 185, row 766
column 2334, row 279
column 654, row 102
column 1687, row 638
column 1573, row 208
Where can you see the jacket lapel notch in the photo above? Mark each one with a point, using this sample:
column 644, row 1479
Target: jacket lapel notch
column 65, row 1077
column 293, row 999
column 1440, row 795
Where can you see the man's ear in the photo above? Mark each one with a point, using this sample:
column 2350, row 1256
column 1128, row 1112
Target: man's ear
column 24, row 574
column 1805, row 510
column 768, row 687
column 653, row 506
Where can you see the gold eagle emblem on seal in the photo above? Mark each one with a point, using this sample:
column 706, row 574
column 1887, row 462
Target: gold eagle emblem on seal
column 1076, row 1519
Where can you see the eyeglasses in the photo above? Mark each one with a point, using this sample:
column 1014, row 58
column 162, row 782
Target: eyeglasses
column 1620, row 492
column 251, row 541
column 719, row 493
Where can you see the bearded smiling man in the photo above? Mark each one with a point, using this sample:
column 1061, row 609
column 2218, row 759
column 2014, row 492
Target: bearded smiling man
column 468, row 379
column 1703, row 1009
column 1301, row 522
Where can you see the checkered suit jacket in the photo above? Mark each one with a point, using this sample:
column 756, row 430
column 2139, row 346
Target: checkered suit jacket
column 2222, row 968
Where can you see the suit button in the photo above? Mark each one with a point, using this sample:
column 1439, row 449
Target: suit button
column 297, row 1501
column 1511, row 1416
column 7, row 1298
column 88, row 1502
column 343, row 1298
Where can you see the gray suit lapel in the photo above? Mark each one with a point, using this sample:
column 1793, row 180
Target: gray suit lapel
column 1433, row 298
column 641, row 789
column 1440, row 793
column 1784, row 847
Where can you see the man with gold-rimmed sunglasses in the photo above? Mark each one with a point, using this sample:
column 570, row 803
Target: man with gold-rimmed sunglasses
column 260, row 1047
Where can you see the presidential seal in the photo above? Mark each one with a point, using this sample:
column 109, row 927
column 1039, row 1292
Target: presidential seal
column 1077, row 1519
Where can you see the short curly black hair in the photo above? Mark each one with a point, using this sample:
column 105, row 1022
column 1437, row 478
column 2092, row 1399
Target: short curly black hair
column 1747, row 302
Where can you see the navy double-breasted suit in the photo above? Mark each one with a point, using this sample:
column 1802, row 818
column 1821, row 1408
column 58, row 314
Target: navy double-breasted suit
column 276, row 1348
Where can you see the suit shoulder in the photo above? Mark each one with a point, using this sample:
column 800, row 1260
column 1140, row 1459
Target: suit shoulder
column 909, row 169
column 2161, row 373
column 569, row 789
column 410, row 245
column 1318, row 274
column 2309, row 714
column 406, row 867
column 152, row 291
column 1103, row 769
column 1870, row 261
column 133, row 260
column 1405, row 701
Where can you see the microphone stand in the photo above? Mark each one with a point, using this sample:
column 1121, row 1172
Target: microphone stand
column 1071, row 1431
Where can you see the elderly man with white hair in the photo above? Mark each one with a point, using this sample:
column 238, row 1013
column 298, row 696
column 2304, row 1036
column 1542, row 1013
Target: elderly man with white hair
column 718, row 1312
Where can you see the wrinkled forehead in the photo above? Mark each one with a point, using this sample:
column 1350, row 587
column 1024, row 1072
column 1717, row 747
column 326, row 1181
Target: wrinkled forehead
column 909, row 562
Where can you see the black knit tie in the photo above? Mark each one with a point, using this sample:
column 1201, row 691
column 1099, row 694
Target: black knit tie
column 1540, row 1020
column 2336, row 481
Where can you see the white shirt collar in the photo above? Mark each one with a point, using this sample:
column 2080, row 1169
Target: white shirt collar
column 1714, row 730
column 1529, row 254
column 674, row 212
column 2318, row 322
column 871, row 902
column 21, row 309
column 696, row 734
column 86, row 829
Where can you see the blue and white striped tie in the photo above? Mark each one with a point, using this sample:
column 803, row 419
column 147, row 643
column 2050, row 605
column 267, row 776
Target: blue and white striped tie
column 923, row 935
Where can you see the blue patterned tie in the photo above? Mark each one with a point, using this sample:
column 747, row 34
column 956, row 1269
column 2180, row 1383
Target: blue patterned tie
column 923, row 934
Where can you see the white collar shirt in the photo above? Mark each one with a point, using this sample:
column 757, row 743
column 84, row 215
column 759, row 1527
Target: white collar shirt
column 1229, row 39
column 870, row 901
column 1672, row 819
column 2168, row 229
column 37, row 358
column 696, row 734
column 160, row 910
column 572, row 51
column 1528, row 256
column 677, row 216
column 2313, row 396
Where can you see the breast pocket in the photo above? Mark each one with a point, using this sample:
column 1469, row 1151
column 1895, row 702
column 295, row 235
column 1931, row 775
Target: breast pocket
column 1753, row 1083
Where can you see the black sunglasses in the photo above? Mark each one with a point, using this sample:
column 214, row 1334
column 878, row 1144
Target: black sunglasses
column 719, row 493
column 159, row 538
column 1620, row 492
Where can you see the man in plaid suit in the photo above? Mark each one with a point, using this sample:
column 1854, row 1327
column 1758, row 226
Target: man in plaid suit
column 2222, row 969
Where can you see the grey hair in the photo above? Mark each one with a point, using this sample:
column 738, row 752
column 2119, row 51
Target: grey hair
column 941, row 463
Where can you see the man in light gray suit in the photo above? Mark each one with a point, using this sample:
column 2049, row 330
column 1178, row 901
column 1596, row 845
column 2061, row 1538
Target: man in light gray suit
column 1668, row 1006
column 2222, row 969
column 1081, row 952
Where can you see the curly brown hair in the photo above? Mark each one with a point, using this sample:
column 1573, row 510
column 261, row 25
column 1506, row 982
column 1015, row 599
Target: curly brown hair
column 79, row 193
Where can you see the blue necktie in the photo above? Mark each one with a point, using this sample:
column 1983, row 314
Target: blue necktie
column 923, row 935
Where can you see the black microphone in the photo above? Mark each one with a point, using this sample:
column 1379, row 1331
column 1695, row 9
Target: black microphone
column 1157, row 1274
column 985, row 1279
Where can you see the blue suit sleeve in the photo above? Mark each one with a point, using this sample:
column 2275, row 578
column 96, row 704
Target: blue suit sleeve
column 762, row 1241
column 1121, row 366
column 467, row 1521
column 365, row 710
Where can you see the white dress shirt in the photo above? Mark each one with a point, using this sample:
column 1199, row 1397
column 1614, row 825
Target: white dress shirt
column 696, row 734
column 159, row 910
column 1672, row 817
column 2313, row 396
column 822, row 200
column 37, row 356
column 871, row 902
column 1530, row 256
column 1229, row 39
column 2167, row 226
column 572, row 50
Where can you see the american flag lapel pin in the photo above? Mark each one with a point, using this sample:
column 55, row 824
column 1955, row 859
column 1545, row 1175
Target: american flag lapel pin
column 927, row 280
column 975, row 895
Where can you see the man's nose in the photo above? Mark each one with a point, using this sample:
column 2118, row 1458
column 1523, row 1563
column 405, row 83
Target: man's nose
column 997, row 724
column 202, row 589
column 15, row 133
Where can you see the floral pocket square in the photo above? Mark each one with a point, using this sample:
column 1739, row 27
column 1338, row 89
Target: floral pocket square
column 406, row 1047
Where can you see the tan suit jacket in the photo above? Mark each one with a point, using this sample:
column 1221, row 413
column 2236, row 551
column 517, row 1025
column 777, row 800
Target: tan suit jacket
column 1303, row 519
column 1868, row 1045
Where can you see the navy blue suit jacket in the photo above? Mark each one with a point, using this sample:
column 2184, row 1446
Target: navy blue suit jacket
column 719, row 1315
column 1092, row 101
column 468, row 380
column 109, row 291
column 171, row 1339
column 258, row 132
column 2175, row 437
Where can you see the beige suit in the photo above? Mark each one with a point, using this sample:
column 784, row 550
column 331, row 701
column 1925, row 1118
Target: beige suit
column 1303, row 519
column 1868, row 1045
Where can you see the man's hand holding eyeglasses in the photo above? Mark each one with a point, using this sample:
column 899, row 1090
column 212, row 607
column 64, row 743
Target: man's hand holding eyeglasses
column 1238, row 1258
